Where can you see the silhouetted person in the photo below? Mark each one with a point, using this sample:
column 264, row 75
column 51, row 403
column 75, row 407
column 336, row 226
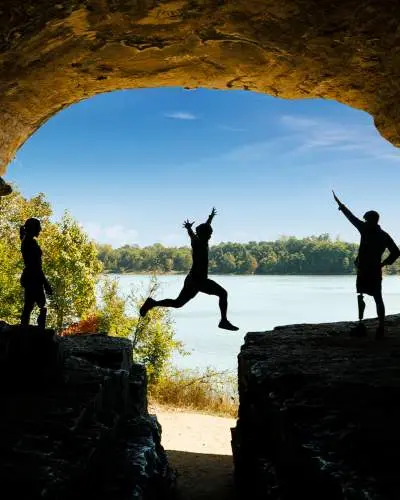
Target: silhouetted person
column 33, row 279
column 374, row 242
column 197, row 280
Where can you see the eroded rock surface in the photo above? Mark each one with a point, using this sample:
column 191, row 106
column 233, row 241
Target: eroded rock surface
column 74, row 420
column 53, row 54
column 319, row 413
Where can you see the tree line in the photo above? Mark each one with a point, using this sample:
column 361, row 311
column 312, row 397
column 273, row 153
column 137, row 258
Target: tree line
column 287, row 255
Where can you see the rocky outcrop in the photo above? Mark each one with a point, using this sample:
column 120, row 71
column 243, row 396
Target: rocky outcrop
column 53, row 54
column 74, row 420
column 319, row 413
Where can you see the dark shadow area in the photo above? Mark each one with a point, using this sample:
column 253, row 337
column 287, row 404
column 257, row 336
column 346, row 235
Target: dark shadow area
column 202, row 475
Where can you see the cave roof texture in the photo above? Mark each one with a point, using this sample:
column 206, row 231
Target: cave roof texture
column 53, row 54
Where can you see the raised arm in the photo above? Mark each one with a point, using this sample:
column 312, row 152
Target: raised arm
column 358, row 223
column 188, row 225
column 211, row 216
column 394, row 253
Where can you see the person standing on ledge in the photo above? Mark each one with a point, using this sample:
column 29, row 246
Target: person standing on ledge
column 197, row 280
column 33, row 279
column 374, row 241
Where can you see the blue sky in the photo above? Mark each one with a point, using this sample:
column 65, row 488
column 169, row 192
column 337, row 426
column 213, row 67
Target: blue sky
column 132, row 165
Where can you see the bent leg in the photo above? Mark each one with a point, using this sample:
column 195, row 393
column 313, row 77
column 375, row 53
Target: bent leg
column 187, row 293
column 210, row 287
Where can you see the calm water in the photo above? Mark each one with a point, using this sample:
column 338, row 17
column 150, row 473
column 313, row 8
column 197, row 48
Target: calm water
column 258, row 303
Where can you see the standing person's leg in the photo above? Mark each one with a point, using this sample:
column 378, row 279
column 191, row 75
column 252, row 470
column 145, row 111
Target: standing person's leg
column 380, row 310
column 188, row 292
column 210, row 287
column 362, row 287
column 361, row 306
column 29, row 303
column 41, row 302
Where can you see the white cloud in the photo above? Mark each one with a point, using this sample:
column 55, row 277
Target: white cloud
column 298, row 122
column 116, row 235
column 181, row 115
column 320, row 134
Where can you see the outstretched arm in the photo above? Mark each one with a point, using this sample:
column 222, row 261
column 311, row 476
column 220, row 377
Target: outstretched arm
column 349, row 215
column 188, row 225
column 211, row 216
column 393, row 255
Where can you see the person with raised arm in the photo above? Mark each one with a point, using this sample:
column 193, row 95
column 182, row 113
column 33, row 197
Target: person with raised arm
column 374, row 241
column 33, row 279
column 197, row 280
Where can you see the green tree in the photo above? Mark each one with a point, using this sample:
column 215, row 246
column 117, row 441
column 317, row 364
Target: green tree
column 153, row 337
column 15, row 209
column 72, row 267
column 69, row 260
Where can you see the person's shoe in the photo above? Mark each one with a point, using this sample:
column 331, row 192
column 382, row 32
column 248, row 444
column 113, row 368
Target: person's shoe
column 148, row 304
column 227, row 325
column 380, row 332
column 5, row 189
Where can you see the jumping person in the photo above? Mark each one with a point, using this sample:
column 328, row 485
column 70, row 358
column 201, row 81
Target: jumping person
column 33, row 279
column 374, row 241
column 197, row 280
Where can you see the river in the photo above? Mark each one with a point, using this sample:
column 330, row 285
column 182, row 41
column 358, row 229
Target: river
column 258, row 303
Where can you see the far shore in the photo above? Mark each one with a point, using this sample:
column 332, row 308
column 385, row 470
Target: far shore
column 178, row 273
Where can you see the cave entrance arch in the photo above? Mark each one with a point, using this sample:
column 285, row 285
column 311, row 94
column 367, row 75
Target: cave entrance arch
column 55, row 54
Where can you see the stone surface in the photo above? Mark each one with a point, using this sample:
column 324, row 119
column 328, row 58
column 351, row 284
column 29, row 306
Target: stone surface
column 83, row 434
column 53, row 54
column 319, row 414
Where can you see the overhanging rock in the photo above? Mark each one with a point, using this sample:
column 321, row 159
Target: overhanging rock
column 319, row 413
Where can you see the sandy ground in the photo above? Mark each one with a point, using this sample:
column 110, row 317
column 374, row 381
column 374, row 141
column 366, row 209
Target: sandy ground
column 199, row 447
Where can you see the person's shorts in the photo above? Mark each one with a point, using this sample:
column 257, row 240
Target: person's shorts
column 371, row 285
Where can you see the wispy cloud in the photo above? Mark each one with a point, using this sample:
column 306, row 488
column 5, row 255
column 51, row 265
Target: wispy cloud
column 298, row 122
column 181, row 115
column 116, row 235
column 312, row 134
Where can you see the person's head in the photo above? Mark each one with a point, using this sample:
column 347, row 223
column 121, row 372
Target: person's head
column 31, row 228
column 204, row 231
column 371, row 217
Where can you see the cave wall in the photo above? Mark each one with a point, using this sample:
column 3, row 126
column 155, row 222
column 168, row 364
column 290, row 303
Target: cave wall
column 53, row 54
column 319, row 413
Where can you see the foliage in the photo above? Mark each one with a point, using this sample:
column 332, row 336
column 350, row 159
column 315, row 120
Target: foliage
column 14, row 210
column 82, row 327
column 209, row 391
column 69, row 261
column 152, row 337
column 72, row 267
